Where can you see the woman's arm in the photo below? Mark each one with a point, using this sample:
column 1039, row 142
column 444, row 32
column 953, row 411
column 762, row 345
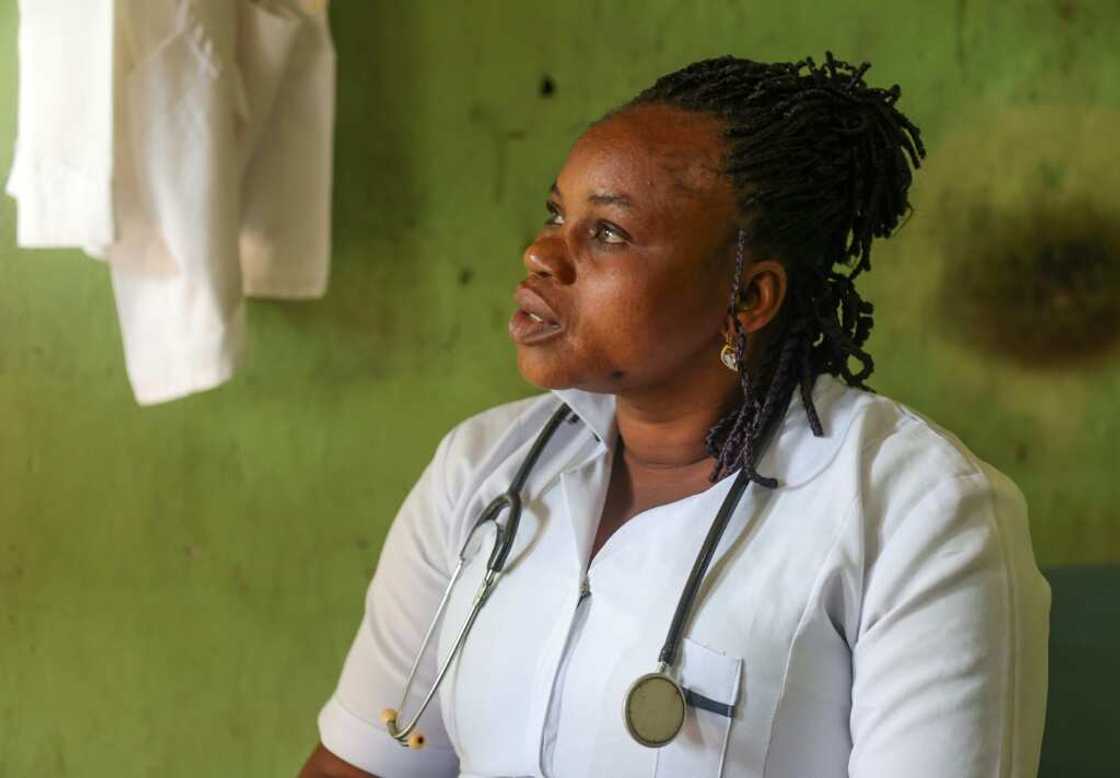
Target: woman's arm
column 412, row 573
column 410, row 579
column 950, row 664
column 323, row 764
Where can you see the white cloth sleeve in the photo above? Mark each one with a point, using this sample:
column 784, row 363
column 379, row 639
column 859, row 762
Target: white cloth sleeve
column 949, row 668
column 175, row 271
column 62, row 170
column 410, row 579
column 285, row 236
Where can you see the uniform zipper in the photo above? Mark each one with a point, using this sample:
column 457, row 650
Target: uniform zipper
column 552, row 716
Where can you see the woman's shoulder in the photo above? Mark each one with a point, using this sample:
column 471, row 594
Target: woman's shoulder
column 507, row 423
column 894, row 438
column 889, row 463
column 918, row 505
column 479, row 442
column 908, row 474
column 863, row 431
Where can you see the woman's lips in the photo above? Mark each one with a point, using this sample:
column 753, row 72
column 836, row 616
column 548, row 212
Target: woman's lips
column 534, row 321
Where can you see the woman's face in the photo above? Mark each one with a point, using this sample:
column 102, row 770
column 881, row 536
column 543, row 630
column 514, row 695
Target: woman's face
column 630, row 276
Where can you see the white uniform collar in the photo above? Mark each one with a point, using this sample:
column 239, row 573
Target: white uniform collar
column 794, row 456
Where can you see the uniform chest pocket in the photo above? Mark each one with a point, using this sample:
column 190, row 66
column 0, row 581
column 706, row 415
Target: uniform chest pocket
column 711, row 683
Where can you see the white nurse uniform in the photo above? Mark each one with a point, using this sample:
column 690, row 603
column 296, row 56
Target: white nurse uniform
column 879, row 615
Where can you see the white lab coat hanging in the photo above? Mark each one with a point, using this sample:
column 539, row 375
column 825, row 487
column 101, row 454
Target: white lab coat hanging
column 222, row 149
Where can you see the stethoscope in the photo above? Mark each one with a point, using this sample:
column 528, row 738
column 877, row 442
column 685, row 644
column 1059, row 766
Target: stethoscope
column 655, row 704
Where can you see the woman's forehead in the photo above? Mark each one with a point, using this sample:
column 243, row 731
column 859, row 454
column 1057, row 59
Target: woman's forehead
column 655, row 151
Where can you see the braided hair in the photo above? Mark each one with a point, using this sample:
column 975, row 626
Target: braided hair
column 820, row 164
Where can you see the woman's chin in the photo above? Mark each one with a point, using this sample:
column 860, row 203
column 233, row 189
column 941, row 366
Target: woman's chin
column 544, row 370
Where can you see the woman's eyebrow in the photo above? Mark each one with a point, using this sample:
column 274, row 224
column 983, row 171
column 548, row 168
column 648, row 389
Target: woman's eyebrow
column 611, row 198
column 599, row 198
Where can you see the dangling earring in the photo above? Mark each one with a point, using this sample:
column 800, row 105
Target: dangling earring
column 727, row 353
column 727, row 357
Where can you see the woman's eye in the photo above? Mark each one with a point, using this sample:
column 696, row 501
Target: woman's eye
column 608, row 233
column 554, row 217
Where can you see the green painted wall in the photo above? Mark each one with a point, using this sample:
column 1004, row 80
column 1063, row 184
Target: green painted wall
column 178, row 585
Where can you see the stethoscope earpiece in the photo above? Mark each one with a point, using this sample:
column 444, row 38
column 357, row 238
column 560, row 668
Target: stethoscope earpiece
column 415, row 741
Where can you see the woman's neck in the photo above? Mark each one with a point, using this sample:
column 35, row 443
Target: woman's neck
column 666, row 427
column 668, row 431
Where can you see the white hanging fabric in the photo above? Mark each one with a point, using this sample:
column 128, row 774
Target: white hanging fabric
column 62, row 168
column 221, row 150
column 289, row 77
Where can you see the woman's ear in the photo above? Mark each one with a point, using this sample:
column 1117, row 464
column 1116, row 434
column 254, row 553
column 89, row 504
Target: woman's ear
column 761, row 294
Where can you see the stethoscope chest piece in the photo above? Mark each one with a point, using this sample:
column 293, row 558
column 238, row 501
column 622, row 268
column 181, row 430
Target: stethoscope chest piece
column 655, row 709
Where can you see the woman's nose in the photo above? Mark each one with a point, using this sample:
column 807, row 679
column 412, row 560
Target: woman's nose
column 546, row 256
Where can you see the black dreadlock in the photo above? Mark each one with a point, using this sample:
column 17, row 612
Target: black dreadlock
column 820, row 163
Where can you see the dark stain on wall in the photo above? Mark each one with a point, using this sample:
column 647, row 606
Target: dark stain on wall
column 1040, row 285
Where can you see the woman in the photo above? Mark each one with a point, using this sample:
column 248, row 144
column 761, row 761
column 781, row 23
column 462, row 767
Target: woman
column 871, row 609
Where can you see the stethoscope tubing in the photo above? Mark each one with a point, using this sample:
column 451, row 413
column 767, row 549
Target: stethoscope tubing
column 687, row 601
column 488, row 581
column 670, row 650
column 503, row 544
column 499, row 555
